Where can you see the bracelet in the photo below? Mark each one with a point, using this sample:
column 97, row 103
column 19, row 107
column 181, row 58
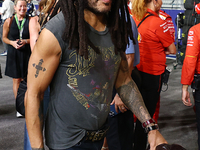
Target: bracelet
column 104, row 147
column 150, row 128
column 26, row 41
column 148, row 122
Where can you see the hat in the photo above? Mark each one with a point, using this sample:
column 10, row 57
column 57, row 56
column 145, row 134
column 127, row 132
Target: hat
column 169, row 147
column 197, row 8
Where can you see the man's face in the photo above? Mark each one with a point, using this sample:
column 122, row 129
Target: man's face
column 98, row 6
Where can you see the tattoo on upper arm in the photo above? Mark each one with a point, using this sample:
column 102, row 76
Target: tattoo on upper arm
column 39, row 68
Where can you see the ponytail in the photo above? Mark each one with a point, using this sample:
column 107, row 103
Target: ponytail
column 139, row 8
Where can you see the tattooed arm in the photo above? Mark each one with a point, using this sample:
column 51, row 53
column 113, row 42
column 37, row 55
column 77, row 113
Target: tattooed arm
column 130, row 94
column 132, row 98
column 42, row 66
column 119, row 105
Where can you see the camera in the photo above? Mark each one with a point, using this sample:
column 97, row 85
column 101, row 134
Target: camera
column 166, row 75
column 19, row 42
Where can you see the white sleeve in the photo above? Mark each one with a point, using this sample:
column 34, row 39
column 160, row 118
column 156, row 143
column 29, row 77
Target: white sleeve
column 3, row 8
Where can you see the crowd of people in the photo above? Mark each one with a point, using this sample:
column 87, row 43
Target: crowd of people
column 91, row 66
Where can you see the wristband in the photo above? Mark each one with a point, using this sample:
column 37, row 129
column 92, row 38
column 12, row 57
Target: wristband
column 150, row 128
column 148, row 122
column 26, row 41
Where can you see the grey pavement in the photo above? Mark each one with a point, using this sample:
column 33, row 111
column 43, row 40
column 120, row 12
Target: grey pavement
column 177, row 122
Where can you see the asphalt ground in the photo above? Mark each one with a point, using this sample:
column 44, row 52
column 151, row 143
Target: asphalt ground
column 177, row 122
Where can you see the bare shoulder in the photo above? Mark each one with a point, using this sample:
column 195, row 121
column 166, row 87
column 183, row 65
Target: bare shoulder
column 47, row 43
column 34, row 19
column 33, row 23
column 7, row 22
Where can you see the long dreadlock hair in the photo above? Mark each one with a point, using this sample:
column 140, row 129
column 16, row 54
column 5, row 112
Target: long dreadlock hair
column 118, row 23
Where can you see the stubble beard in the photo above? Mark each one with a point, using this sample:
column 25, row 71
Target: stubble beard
column 94, row 9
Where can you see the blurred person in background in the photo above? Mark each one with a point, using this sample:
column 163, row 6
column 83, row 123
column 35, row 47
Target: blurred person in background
column 154, row 43
column 6, row 11
column 16, row 35
column 191, row 71
column 30, row 8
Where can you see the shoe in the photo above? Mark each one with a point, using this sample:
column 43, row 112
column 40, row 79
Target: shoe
column 18, row 115
column 4, row 53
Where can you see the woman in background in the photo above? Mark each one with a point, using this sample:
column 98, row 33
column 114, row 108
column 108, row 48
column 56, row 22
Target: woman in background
column 154, row 43
column 16, row 35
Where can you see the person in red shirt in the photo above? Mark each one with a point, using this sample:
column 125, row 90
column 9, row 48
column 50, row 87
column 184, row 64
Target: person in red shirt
column 191, row 67
column 155, row 42
column 164, row 16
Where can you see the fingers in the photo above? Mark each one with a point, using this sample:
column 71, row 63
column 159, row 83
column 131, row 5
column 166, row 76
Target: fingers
column 122, row 108
column 112, row 102
column 186, row 98
column 187, row 102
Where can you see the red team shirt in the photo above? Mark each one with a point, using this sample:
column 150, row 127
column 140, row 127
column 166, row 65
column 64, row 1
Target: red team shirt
column 168, row 19
column 154, row 36
column 191, row 64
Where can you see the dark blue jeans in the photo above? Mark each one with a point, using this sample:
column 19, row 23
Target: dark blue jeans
column 120, row 133
column 197, row 105
column 86, row 145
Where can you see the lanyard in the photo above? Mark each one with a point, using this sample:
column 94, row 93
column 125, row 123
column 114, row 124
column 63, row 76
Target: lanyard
column 21, row 28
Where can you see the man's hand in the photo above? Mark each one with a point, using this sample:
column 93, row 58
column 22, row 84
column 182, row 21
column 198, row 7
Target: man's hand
column 155, row 139
column 119, row 105
column 186, row 96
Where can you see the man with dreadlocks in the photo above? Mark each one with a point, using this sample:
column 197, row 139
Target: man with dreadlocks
column 81, row 53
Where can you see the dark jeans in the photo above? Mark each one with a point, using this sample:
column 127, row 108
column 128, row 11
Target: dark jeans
column 150, row 90
column 86, row 145
column 120, row 133
column 197, row 105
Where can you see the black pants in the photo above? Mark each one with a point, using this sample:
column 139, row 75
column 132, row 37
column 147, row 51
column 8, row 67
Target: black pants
column 197, row 105
column 150, row 89
column 120, row 133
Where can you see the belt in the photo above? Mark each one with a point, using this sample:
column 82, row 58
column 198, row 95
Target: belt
column 96, row 135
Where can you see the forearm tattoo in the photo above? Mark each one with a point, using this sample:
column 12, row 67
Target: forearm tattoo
column 132, row 98
column 39, row 67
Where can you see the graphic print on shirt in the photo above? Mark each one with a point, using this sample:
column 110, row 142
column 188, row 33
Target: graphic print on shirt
column 97, row 97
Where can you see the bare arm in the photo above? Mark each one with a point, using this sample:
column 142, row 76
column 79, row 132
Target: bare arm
column 6, row 29
column 117, row 100
column 130, row 60
column 171, row 49
column 130, row 94
column 34, row 28
column 132, row 98
column 46, row 54
column 186, row 96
